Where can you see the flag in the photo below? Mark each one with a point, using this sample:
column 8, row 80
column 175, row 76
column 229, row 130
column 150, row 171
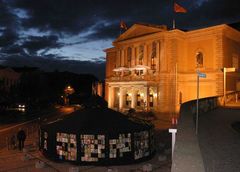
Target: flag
column 123, row 25
column 179, row 9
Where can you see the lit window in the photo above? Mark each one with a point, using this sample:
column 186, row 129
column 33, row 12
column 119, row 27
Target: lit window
column 128, row 99
column 139, row 72
column 129, row 56
column 153, row 56
column 45, row 137
column 140, row 56
column 199, row 59
column 151, row 100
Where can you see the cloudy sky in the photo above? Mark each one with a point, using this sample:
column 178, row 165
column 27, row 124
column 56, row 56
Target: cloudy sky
column 71, row 34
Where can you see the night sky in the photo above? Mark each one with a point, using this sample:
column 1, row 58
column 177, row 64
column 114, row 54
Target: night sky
column 71, row 34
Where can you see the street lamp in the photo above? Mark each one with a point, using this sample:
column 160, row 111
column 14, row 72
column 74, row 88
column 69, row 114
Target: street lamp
column 225, row 70
column 68, row 90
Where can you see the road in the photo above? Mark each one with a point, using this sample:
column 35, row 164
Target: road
column 47, row 115
column 31, row 126
column 219, row 142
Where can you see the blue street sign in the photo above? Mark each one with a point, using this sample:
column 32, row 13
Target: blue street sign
column 202, row 75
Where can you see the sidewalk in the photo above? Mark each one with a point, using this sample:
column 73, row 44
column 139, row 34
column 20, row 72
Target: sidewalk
column 13, row 161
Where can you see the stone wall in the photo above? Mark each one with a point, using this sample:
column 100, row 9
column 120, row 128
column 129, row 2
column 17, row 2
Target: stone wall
column 187, row 155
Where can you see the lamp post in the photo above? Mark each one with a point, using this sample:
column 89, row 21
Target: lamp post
column 68, row 90
column 199, row 75
column 225, row 70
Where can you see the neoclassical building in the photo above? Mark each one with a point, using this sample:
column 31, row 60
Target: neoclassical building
column 152, row 68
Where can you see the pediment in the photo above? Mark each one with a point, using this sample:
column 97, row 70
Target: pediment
column 138, row 30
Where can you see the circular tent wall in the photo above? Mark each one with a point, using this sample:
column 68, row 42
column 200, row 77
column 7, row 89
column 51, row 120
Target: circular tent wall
column 97, row 136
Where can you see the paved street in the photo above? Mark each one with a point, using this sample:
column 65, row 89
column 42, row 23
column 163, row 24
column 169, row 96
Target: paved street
column 6, row 131
column 219, row 143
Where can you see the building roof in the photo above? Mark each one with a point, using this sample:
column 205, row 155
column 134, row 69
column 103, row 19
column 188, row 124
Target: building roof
column 235, row 25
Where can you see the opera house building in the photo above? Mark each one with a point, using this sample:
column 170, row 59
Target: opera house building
column 151, row 68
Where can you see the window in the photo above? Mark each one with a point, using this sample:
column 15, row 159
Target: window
column 138, row 99
column 139, row 72
column 151, row 100
column 153, row 56
column 129, row 56
column 45, row 137
column 128, row 99
column 199, row 59
column 235, row 62
column 140, row 55
column 153, row 64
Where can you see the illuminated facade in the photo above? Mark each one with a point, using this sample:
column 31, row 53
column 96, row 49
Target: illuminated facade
column 152, row 68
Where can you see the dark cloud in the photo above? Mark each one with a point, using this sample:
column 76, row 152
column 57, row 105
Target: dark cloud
column 71, row 16
column 75, row 16
column 13, row 49
column 8, row 38
column 35, row 43
column 209, row 13
column 7, row 18
column 52, row 64
column 95, row 20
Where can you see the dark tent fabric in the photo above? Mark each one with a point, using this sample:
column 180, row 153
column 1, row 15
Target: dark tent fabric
column 113, row 126
column 98, row 120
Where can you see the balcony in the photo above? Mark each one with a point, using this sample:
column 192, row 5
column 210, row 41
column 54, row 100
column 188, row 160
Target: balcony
column 133, row 77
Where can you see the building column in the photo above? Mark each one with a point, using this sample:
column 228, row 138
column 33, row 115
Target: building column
column 121, row 97
column 110, row 97
column 134, row 99
column 146, row 97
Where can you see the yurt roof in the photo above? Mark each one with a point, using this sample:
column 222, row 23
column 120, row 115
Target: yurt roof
column 100, row 120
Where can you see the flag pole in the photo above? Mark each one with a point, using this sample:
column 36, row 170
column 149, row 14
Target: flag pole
column 174, row 25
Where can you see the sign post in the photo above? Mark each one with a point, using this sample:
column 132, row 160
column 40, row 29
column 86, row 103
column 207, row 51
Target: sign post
column 199, row 75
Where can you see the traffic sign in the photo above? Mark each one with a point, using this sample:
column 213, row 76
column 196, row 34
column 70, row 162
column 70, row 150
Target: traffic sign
column 202, row 75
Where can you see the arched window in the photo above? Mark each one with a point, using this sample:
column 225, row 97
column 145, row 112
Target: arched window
column 199, row 59
column 140, row 56
column 129, row 56
column 153, row 56
column 154, row 50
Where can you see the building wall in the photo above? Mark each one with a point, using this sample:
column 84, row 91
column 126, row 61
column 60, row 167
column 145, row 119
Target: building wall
column 8, row 78
column 231, row 51
column 176, row 64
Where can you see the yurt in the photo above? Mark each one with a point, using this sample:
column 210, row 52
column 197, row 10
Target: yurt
column 97, row 136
